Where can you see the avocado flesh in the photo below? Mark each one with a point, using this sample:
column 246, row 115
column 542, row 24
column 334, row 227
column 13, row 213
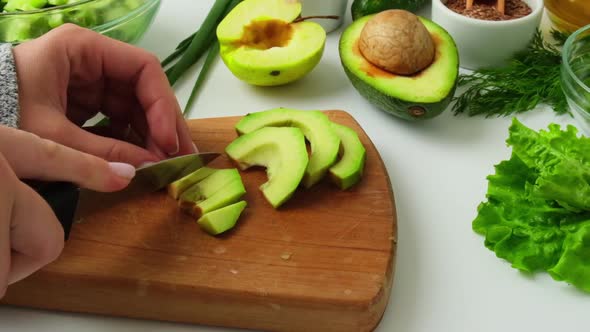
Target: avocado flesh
column 277, row 65
column 209, row 186
column 421, row 96
column 176, row 188
column 349, row 168
column 229, row 194
column 316, row 128
column 221, row 220
column 282, row 151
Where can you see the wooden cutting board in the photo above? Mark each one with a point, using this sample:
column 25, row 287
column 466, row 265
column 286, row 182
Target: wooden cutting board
column 323, row 262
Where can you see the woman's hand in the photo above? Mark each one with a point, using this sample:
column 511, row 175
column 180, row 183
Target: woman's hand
column 30, row 235
column 70, row 74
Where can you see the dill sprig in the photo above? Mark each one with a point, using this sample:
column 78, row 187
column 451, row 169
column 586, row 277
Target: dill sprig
column 530, row 78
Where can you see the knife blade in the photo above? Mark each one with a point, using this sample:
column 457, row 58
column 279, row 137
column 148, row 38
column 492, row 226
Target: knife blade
column 70, row 203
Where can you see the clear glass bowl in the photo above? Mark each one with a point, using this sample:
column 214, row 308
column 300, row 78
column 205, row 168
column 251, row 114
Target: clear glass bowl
column 125, row 20
column 575, row 75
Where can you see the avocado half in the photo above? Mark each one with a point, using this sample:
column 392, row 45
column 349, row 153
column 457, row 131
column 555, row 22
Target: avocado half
column 423, row 95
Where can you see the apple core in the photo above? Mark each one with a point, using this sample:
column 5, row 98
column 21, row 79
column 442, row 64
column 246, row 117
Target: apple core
column 266, row 34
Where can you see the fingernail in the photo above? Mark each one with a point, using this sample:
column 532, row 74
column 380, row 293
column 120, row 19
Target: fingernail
column 123, row 170
column 195, row 147
column 177, row 148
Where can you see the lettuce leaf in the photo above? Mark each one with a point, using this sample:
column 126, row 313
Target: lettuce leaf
column 537, row 213
column 562, row 160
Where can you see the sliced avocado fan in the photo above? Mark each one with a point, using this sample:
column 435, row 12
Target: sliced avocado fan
column 317, row 129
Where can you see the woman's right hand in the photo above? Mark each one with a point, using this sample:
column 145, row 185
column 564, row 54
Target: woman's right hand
column 30, row 234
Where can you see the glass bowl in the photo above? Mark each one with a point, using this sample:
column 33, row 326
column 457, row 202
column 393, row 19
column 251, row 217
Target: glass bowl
column 575, row 75
column 125, row 20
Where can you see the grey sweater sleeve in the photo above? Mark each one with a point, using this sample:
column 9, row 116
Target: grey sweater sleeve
column 9, row 108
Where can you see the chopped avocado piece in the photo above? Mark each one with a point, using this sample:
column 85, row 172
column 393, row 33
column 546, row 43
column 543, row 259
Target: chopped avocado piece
column 24, row 5
column 221, row 220
column 422, row 95
column 209, row 185
column 14, row 31
column 229, row 194
column 349, row 169
column 176, row 188
column 282, row 151
column 316, row 128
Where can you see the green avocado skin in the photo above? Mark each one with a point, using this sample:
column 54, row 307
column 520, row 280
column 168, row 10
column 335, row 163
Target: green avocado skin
column 362, row 8
column 396, row 106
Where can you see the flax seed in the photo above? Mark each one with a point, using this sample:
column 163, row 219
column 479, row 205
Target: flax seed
column 486, row 9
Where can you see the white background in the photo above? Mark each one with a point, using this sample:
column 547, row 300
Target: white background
column 446, row 280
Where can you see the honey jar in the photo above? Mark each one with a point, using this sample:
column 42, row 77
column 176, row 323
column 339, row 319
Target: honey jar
column 568, row 15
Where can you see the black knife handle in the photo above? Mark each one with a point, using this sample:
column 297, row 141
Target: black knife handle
column 62, row 197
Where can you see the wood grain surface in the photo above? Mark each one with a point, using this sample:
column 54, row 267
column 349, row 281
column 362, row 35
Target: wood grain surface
column 324, row 261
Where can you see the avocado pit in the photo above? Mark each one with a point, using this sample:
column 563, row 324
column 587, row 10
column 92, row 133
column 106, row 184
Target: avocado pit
column 397, row 42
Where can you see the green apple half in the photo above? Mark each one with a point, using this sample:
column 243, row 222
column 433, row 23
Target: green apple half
column 262, row 45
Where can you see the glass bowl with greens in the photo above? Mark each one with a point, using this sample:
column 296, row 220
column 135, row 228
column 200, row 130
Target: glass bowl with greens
column 125, row 20
column 575, row 75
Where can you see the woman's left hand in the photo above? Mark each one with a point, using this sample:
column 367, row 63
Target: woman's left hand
column 70, row 74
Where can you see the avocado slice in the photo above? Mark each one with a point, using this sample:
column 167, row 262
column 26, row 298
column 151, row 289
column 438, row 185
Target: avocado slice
column 423, row 95
column 176, row 188
column 316, row 128
column 229, row 194
column 221, row 220
column 209, row 185
column 281, row 150
column 349, row 168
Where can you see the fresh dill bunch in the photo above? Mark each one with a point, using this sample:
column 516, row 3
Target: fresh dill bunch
column 559, row 36
column 531, row 77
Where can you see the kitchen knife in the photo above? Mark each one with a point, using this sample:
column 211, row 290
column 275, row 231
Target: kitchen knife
column 70, row 203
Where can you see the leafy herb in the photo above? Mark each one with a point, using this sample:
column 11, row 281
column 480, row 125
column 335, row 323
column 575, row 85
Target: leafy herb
column 211, row 56
column 180, row 49
column 194, row 46
column 537, row 215
column 201, row 41
column 559, row 36
column 532, row 77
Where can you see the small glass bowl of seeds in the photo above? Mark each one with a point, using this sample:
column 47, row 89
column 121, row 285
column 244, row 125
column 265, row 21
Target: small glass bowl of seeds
column 488, row 32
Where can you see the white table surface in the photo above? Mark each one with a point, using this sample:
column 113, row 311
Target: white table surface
column 446, row 280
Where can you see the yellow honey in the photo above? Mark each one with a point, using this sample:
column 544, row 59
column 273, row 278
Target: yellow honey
column 568, row 15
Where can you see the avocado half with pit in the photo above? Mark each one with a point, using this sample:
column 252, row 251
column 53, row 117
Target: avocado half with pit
column 408, row 94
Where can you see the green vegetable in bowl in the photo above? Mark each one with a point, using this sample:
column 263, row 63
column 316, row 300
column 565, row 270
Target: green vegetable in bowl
column 22, row 20
column 537, row 215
